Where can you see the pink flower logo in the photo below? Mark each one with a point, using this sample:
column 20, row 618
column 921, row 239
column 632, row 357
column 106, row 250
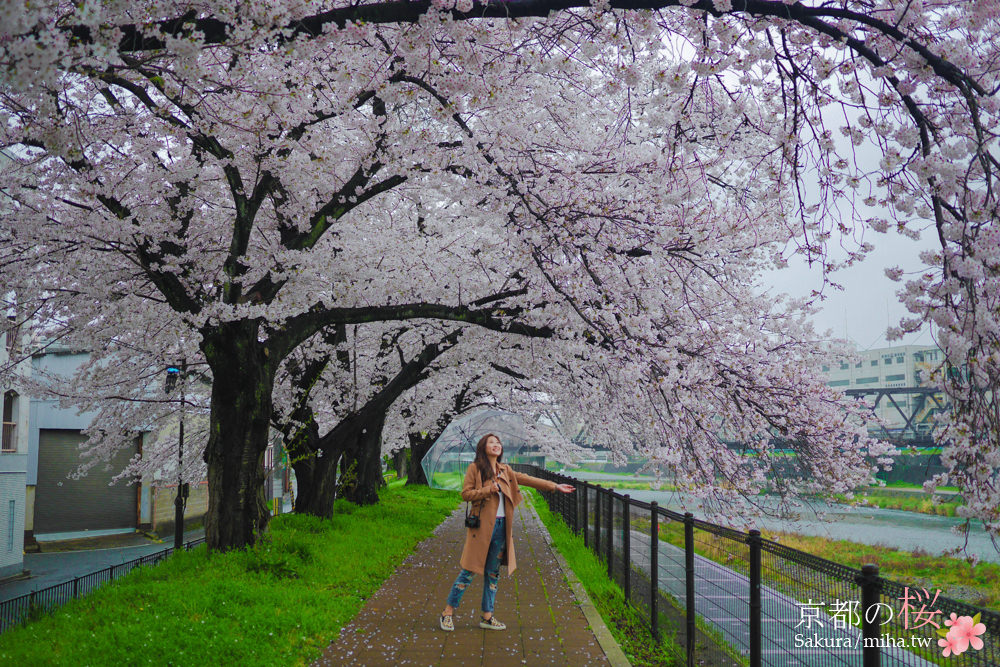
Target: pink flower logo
column 951, row 645
column 963, row 632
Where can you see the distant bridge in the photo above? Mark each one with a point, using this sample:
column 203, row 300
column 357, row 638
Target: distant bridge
column 918, row 415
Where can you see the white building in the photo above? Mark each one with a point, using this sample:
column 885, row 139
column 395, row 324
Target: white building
column 13, row 460
column 13, row 448
column 904, row 366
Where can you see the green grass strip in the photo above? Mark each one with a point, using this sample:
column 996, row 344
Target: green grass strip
column 922, row 503
column 626, row 623
column 279, row 603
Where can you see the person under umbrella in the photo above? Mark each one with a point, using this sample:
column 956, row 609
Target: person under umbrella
column 490, row 545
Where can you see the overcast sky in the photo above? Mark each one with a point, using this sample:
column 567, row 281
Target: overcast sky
column 868, row 303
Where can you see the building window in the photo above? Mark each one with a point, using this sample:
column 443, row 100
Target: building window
column 895, row 378
column 12, row 335
column 9, row 442
column 10, row 528
column 866, row 380
column 900, row 359
column 825, row 368
column 838, row 383
column 857, row 365
column 887, row 361
column 843, row 365
column 874, row 362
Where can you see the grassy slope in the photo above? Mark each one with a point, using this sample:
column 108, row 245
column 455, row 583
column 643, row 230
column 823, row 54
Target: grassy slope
column 281, row 602
column 625, row 622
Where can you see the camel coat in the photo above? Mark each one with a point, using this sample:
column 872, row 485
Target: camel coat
column 485, row 502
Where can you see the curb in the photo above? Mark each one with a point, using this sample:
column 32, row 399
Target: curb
column 605, row 639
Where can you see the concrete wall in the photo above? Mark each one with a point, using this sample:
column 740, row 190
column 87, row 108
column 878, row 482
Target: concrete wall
column 11, row 523
column 163, row 512
column 913, row 468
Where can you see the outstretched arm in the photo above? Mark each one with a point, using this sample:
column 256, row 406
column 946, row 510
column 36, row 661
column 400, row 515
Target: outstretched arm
column 541, row 484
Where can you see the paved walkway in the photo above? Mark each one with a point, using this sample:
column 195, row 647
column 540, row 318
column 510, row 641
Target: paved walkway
column 399, row 623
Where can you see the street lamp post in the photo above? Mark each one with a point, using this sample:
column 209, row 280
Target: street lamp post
column 180, row 500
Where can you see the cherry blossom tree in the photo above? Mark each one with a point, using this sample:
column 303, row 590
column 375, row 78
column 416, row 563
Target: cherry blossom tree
column 368, row 395
column 625, row 174
column 338, row 403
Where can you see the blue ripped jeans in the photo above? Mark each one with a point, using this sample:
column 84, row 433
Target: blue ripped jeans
column 492, row 570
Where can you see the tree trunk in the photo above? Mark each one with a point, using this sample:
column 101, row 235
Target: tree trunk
column 316, row 474
column 361, row 465
column 399, row 462
column 239, row 424
column 317, row 485
column 420, row 444
column 355, row 444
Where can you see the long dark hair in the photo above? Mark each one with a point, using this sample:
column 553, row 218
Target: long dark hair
column 482, row 461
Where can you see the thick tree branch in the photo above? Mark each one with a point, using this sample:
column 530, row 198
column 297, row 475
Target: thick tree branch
column 300, row 327
column 150, row 36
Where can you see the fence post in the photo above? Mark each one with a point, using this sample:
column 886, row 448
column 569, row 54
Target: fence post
column 654, row 571
column 576, row 510
column 689, row 586
column 76, row 587
column 871, row 591
column 627, row 545
column 755, row 622
column 560, row 501
column 551, row 498
column 610, row 523
column 567, row 504
column 586, row 514
column 597, row 520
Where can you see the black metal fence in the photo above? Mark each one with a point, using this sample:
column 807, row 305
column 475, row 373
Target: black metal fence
column 774, row 605
column 24, row 608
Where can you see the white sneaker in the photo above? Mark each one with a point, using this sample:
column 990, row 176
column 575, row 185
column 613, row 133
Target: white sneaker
column 492, row 624
column 447, row 623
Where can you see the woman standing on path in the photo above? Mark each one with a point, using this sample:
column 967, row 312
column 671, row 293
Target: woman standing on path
column 487, row 482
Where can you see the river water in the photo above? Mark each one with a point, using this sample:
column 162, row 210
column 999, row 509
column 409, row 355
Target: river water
column 868, row 525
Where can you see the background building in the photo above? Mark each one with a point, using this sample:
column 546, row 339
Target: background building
column 900, row 368
column 60, row 506
column 13, row 458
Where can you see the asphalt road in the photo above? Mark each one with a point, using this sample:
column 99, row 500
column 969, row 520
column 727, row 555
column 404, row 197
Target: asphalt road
column 49, row 569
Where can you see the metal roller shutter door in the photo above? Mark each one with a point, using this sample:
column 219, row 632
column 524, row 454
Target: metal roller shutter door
column 89, row 503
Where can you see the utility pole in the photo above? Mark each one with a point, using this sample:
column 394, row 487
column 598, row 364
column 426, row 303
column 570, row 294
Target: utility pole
column 175, row 373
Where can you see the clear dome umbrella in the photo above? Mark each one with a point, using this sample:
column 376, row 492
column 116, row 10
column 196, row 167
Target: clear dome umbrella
column 447, row 459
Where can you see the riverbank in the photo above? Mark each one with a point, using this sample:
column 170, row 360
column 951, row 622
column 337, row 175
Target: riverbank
column 977, row 584
column 897, row 496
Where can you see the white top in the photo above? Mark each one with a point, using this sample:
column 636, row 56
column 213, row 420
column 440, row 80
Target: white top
column 500, row 510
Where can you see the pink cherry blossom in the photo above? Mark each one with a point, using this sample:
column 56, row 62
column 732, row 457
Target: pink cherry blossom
column 967, row 632
column 952, row 645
